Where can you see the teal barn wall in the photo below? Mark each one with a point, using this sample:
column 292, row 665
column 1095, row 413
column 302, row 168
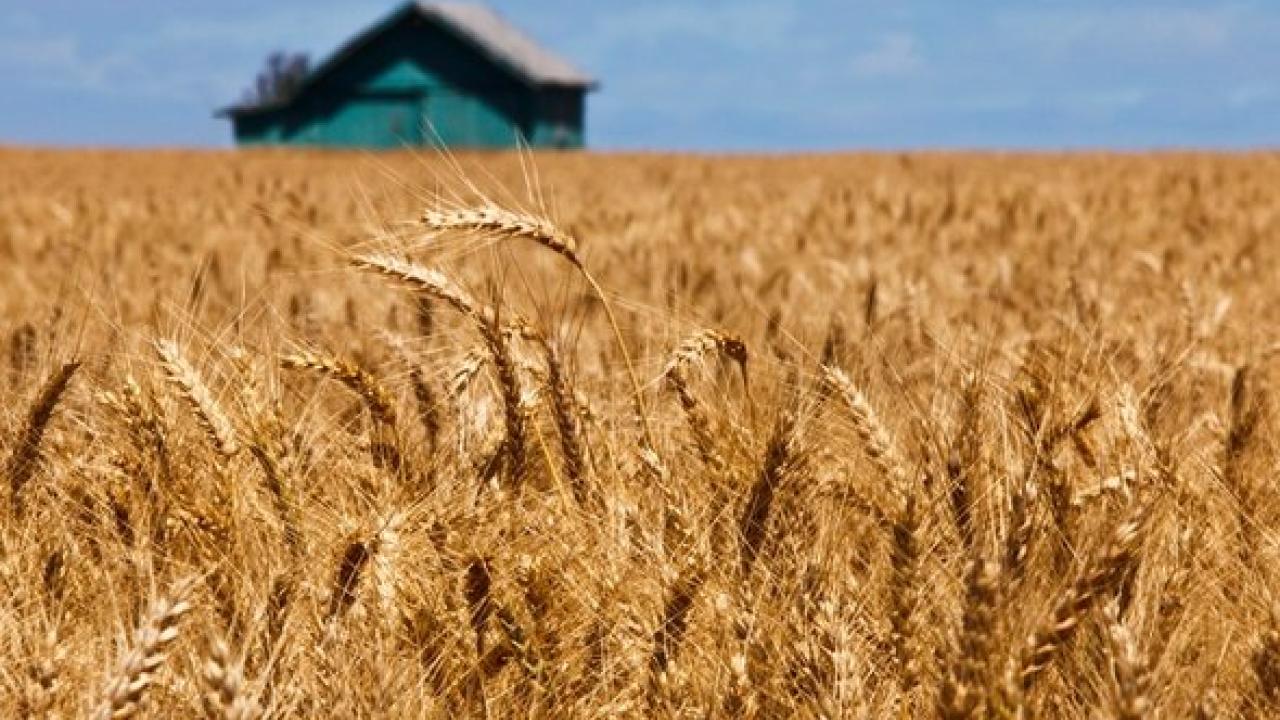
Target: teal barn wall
column 412, row 80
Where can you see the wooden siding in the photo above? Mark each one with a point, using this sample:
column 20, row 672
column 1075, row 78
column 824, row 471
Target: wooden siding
column 417, row 83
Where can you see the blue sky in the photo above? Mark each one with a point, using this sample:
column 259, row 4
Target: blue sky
column 708, row 75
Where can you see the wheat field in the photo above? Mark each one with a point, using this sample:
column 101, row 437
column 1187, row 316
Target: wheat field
column 293, row 435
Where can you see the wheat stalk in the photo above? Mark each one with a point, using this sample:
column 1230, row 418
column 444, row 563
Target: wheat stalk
column 491, row 219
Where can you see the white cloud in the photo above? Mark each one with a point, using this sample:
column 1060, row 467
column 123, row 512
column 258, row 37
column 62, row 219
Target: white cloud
column 62, row 62
column 1138, row 31
column 58, row 60
column 1245, row 96
column 1101, row 104
column 271, row 29
column 743, row 25
column 186, row 58
column 893, row 55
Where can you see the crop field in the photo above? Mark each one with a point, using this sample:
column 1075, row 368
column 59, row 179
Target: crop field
column 291, row 435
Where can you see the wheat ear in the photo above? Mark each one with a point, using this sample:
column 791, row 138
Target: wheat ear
column 182, row 375
column 504, row 363
column 695, row 414
column 674, row 623
column 697, row 346
column 877, row 442
column 1102, row 573
column 423, row 280
column 962, row 458
column 780, row 462
column 346, row 580
column 961, row 694
column 564, row 408
column 1133, row 679
column 491, row 219
column 1265, row 660
column 355, row 378
column 904, row 592
column 476, row 588
column 224, row 680
column 22, row 461
column 137, row 669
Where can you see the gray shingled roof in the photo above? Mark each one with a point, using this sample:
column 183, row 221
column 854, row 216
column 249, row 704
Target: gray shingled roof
column 484, row 28
column 506, row 43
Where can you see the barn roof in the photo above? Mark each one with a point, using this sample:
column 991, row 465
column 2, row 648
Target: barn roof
column 506, row 43
column 488, row 31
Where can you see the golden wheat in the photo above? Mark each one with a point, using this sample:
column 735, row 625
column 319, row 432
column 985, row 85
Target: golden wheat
column 1004, row 448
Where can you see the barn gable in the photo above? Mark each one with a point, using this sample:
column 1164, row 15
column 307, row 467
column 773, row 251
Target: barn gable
column 453, row 73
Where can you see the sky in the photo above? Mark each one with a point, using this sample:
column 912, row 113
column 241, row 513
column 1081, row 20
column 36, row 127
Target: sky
column 704, row 75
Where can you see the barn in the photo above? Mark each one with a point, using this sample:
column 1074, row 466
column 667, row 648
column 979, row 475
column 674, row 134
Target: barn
column 429, row 73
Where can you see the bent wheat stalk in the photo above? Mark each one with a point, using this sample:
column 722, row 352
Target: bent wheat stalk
column 489, row 218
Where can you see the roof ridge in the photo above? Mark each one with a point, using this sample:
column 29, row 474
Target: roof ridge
column 476, row 23
column 505, row 42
